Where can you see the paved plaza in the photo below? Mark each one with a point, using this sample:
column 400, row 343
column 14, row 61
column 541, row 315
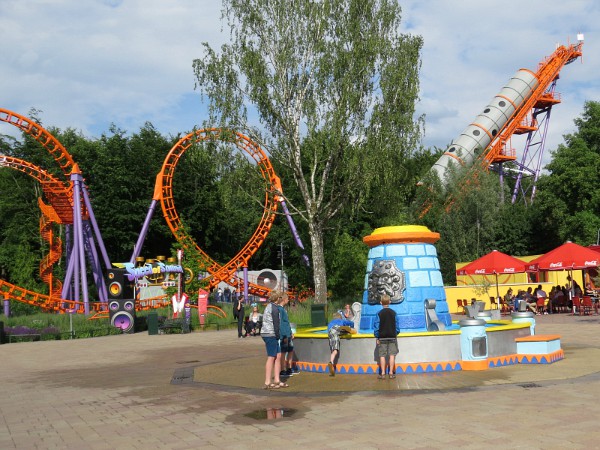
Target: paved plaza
column 202, row 390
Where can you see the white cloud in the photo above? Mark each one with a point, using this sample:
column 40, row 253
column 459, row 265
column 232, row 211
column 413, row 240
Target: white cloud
column 471, row 49
column 87, row 64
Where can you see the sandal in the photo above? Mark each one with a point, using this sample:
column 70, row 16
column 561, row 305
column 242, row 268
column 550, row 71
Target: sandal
column 381, row 377
column 282, row 385
column 392, row 376
column 271, row 386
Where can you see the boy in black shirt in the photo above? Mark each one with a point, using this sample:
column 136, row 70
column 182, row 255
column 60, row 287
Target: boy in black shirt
column 385, row 329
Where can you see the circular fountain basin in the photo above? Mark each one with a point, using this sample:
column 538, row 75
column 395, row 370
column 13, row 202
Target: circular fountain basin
column 419, row 351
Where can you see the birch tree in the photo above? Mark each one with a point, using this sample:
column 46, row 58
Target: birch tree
column 329, row 88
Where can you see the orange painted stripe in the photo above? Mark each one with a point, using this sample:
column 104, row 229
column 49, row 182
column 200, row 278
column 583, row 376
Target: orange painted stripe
column 538, row 338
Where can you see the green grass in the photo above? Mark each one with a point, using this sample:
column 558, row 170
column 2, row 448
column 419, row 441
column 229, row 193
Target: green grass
column 83, row 327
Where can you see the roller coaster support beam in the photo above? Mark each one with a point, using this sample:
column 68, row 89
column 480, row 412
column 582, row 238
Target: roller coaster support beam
column 92, row 220
column 142, row 237
column 78, row 272
column 292, row 226
column 95, row 262
column 245, row 283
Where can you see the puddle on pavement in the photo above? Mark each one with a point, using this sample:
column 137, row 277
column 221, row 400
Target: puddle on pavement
column 272, row 413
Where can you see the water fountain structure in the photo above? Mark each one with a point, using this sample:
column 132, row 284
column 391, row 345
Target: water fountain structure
column 402, row 262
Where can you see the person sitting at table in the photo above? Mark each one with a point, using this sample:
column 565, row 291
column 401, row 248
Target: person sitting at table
column 589, row 290
column 254, row 323
column 540, row 293
column 531, row 300
column 528, row 299
column 508, row 298
column 551, row 306
column 558, row 298
column 577, row 292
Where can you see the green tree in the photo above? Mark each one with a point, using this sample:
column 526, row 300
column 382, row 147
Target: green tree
column 567, row 206
column 21, row 247
column 468, row 216
column 334, row 85
column 120, row 172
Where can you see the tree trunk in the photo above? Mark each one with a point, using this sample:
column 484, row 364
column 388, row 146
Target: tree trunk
column 318, row 262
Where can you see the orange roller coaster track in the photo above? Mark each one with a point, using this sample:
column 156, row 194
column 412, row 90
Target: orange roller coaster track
column 59, row 194
column 46, row 140
column 164, row 193
column 59, row 209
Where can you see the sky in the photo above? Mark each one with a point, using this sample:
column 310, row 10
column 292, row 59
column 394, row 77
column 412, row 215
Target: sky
column 86, row 64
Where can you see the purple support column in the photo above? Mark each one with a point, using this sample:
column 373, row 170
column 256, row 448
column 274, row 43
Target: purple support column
column 78, row 240
column 95, row 263
column 245, row 284
column 88, row 205
column 67, row 291
column 292, row 226
column 138, row 246
column 6, row 308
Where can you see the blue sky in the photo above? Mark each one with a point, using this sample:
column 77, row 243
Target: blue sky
column 86, row 64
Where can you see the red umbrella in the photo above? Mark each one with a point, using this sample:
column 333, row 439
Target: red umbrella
column 494, row 263
column 568, row 256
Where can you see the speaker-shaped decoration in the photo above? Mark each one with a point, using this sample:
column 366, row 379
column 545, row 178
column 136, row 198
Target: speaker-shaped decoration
column 122, row 314
column 268, row 279
column 119, row 287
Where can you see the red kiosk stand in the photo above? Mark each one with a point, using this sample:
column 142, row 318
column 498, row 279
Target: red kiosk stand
column 202, row 305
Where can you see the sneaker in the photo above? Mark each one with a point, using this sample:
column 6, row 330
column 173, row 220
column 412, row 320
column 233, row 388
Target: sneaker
column 283, row 374
column 289, row 372
column 331, row 369
column 296, row 370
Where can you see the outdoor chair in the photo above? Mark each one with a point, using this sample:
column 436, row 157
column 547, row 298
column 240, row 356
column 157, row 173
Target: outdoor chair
column 587, row 305
column 541, row 305
column 577, row 306
column 493, row 304
column 560, row 304
column 505, row 309
column 461, row 307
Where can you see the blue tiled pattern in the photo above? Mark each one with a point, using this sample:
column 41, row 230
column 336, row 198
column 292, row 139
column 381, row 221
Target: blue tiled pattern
column 423, row 281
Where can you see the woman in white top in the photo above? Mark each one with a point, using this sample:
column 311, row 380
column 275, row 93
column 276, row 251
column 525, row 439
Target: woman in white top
column 254, row 321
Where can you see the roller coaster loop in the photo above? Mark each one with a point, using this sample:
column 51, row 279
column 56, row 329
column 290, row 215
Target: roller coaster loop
column 273, row 194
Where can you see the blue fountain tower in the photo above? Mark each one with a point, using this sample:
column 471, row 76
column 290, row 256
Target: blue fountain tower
column 403, row 263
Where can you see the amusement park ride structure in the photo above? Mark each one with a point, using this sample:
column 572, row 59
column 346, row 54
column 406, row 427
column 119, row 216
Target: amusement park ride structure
column 68, row 204
column 523, row 106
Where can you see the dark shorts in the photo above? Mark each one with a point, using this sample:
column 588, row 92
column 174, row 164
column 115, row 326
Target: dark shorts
column 272, row 345
column 387, row 347
column 287, row 347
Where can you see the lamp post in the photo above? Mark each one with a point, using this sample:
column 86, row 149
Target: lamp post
column 598, row 237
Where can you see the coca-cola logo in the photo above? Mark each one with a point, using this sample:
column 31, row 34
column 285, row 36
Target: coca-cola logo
column 509, row 270
column 558, row 264
column 593, row 263
column 480, row 271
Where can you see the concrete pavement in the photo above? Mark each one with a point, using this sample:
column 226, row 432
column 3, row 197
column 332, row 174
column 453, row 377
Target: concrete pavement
column 202, row 390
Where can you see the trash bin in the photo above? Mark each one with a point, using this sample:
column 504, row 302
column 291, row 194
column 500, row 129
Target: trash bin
column 473, row 339
column 317, row 315
column 152, row 322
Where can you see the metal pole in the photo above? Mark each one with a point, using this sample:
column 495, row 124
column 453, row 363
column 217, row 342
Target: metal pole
column 281, row 250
